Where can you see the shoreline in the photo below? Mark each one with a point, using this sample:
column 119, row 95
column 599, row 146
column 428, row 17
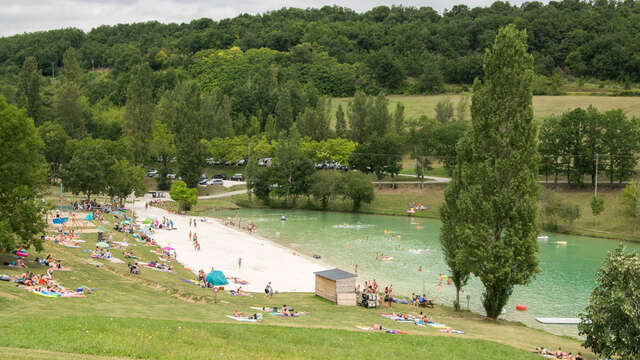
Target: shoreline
column 263, row 260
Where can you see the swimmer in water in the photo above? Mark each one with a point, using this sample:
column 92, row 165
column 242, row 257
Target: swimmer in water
column 377, row 257
column 420, row 268
column 367, row 239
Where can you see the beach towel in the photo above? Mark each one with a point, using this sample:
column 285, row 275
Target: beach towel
column 266, row 309
column 62, row 269
column 242, row 318
column 89, row 217
column 192, row 282
column 388, row 331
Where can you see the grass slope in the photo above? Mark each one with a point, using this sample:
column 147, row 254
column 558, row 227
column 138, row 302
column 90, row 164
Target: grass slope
column 156, row 315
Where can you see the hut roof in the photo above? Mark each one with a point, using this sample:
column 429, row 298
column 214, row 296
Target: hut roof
column 335, row 274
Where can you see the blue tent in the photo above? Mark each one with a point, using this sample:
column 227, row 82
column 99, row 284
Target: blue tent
column 216, row 278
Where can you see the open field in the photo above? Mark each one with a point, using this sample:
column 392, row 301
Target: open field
column 543, row 106
column 156, row 315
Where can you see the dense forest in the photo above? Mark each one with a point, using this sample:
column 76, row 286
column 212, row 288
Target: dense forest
column 385, row 48
column 126, row 96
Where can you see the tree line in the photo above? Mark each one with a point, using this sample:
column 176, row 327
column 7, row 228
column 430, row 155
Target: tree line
column 395, row 49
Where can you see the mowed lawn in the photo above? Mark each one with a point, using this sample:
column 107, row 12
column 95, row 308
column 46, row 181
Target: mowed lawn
column 543, row 106
column 157, row 315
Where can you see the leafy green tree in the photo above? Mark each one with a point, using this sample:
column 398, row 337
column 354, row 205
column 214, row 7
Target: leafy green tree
column 88, row 170
column 251, row 173
column 69, row 104
column 186, row 197
column 284, row 111
column 138, row 114
column 357, row 112
column 398, row 119
column 55, row 140
column 379, row 156
column 123, row 179
column 597, row 207
column 610, row 321
column 162, row 148
column 29, row 88
column 341, row 123
column 357, row 187
column 270, row 128
column 190, row 151
column 254, row 126
column 431, row 81
column 454, row 236
column 444, row 111
column 326, row 185
column 291, row 170
column 22, row 176
column 71, row 70
column 630, row 198
column 379, row 120
column 223, row 124
column 461, row 108
column 446, row 137
column 495, row 182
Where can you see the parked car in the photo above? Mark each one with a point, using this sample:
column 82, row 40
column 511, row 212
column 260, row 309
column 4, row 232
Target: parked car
column 241, row 162
column 171, row 176
column 264, row 162
column 211, row 161
column 215, row 182
column 220, row 176
column 237, row 177
column 203, row 181
column 152, row 173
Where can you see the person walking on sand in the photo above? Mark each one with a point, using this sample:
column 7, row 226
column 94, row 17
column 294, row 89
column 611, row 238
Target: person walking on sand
column 268, row 291
column 239, row 264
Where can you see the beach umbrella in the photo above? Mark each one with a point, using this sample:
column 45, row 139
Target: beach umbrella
column 168, row 248
column 216, row 278
column 102, row 244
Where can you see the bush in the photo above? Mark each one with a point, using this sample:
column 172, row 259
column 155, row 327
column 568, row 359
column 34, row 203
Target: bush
column 185, row 197
column 358, row 188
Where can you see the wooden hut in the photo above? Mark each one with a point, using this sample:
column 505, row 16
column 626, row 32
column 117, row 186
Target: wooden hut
column 336, row 285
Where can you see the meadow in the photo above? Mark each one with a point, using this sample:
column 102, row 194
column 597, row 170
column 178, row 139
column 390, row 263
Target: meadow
column 543, row 106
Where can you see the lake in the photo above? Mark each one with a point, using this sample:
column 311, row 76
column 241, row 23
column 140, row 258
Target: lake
column 561, row 289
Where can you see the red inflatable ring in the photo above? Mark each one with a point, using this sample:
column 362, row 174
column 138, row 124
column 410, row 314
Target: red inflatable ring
column 521, row 307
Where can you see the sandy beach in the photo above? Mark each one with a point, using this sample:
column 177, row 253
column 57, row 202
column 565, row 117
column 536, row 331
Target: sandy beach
column 221, row 246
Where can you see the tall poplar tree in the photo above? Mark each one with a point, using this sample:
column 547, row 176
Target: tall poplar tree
column 138, row 114
column 29, row 87
column 494, row 185
column 190, row 152
column 284, row 111
column 69, row 103
column 341, row 123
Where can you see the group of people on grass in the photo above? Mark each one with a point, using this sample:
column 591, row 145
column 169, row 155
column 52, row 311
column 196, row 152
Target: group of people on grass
column 45, row 284
column 558, row 354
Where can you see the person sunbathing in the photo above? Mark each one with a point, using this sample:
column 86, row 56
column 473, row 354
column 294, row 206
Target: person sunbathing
column 236, row 313
column 376, row 327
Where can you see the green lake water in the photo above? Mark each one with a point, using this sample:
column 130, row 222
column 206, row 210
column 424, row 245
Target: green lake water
column 561, row 289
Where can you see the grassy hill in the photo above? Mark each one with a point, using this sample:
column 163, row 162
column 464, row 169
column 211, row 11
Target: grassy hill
column 156, row 315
